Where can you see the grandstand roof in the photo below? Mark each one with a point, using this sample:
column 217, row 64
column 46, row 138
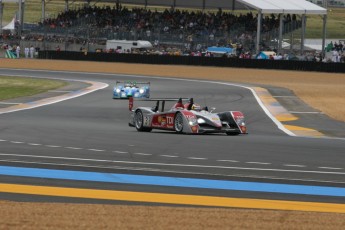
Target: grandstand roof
column 266, row 6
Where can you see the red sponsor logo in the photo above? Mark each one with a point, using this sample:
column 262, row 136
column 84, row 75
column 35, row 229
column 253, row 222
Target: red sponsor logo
column 130, row 103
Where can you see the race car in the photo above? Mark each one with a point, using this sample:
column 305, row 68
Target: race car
column 188, row 118
column 131, row 89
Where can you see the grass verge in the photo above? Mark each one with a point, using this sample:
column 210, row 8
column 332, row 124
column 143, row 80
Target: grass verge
column 13, row 87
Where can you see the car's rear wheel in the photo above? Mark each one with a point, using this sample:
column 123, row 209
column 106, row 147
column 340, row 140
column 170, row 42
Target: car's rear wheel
column 139, row 122
column 178, row 123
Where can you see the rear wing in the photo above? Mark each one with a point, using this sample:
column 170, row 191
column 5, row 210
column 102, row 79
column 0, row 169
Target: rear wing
column 132, row 83
column 157, row 100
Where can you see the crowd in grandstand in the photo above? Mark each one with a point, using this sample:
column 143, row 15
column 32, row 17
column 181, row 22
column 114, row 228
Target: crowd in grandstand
column 220, row 28
column 147, row 23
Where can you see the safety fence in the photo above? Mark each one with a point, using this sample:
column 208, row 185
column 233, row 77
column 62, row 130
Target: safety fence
column 196, row 61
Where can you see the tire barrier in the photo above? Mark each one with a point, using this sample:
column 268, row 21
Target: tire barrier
column 196, row 61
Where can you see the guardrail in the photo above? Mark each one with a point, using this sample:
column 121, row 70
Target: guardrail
column 196, row 61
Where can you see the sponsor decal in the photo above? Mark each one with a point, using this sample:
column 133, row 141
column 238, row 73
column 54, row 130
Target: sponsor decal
column 130, row 103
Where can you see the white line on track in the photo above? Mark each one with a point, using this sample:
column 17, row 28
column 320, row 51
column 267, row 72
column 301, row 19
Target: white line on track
column 96, row 150
column 197, row 158
column 172, row 164
column 121, row 152
column 232, row 161
column 259, row 163
column 34, row 144
column 172, row 156
column 94, row 87
column 2, row 140
column 143, row 154
column 331, row 168
column 74, row 148
column 53, row 146
column 17, row 142
column 173, row 171
column 299, row 166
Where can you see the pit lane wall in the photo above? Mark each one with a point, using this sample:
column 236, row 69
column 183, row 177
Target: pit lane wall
column 196, row 61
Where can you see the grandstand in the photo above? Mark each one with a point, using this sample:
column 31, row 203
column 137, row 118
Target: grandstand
column 263, row 27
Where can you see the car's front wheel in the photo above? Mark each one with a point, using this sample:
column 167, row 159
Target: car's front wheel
column 139, row 122
column 178, row 123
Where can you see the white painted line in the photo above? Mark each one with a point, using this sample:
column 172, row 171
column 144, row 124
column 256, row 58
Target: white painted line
column 259, row 163
column 2, row 140
column 9, row 103
column 74, row 148
column 48, row 101
column 331, row 168
column 17, row 142
column 197, row 158
column 119, row 152
column 168, row 156
column 34, row 144
column 143, row 154
column 177, row 172
column 96, row 150
column 300, row 166
column 53, row 146
column 232, row 161
column 177, row 165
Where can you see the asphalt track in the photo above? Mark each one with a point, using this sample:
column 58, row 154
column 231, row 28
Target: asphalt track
column 81, row 149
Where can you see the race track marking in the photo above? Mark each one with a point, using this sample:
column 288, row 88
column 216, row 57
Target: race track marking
column 52, row 100
column 299, row 166
column 34, row 144
column 163, row 198
column 173, row 181
column 232, row 161
column 74, row 148
column 121, row 152
column 260, row 163
column 96, row 150
column 53, row 146
column 331, row 168
column 143, row 154
column 197, row 158
column 17, row 142
column 172, row 156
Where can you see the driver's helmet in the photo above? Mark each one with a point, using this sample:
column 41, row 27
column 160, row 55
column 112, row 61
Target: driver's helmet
column 196, row 107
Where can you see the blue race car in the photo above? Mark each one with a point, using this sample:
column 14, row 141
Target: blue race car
column 131, row 89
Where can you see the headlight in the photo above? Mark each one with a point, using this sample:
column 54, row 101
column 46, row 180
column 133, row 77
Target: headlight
column 141, row 91
column 201, row 121
column 118, row 90
column 192, row 121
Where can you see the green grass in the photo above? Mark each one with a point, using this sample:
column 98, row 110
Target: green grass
column 13, row 87
column 335, row 22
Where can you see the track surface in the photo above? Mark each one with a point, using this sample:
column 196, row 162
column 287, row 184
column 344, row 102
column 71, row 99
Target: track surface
column 91, row 134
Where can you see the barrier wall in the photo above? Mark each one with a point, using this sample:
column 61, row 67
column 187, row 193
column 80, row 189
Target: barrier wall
column 196, row 61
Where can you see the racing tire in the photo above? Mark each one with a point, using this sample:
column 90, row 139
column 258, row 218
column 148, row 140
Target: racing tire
column 139, row 122
column 178, row 123
column 232, row 133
